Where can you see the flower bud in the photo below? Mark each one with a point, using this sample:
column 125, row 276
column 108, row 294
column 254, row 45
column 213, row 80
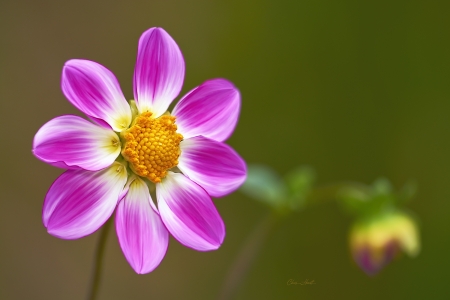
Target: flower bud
column 375, row 242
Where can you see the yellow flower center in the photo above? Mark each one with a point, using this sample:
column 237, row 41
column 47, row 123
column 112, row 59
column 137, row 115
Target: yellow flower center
column 152, row 146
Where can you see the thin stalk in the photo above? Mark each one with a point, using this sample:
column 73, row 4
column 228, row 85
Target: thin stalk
column 98, row 261
column 328, row 192
column 247, row 256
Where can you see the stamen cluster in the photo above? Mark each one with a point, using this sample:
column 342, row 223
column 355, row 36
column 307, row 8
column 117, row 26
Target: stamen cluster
column 152, row 146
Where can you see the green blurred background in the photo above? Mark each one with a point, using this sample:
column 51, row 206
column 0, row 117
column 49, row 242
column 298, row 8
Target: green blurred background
column 356, row 89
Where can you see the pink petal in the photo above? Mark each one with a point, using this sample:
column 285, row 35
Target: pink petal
column 211, row 110
column 189, row 213
column 215, row 166
column 142, row 235
column 94, row 90
column 72, row 142
column 159, row 72
column 80, row 201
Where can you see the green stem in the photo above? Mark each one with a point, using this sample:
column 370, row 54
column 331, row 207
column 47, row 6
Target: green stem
column 329, row 192
column 247, row 256
column 98, row 261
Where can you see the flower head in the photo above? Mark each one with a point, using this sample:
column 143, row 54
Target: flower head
column 376, row 242
column 132, row 146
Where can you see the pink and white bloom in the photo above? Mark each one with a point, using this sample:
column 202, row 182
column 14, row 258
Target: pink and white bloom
column 132, row 146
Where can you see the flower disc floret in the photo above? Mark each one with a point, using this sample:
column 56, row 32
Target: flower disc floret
column 152, row 146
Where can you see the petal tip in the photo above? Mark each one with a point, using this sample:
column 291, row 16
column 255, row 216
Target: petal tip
column 159, row 71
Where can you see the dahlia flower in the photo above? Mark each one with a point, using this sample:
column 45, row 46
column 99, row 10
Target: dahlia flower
column 131, row 147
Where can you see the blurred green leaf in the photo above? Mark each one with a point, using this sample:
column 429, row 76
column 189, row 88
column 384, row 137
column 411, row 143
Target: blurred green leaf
column 264, row 185
column 377, row 198
column 299, row 183
column 383, row 196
